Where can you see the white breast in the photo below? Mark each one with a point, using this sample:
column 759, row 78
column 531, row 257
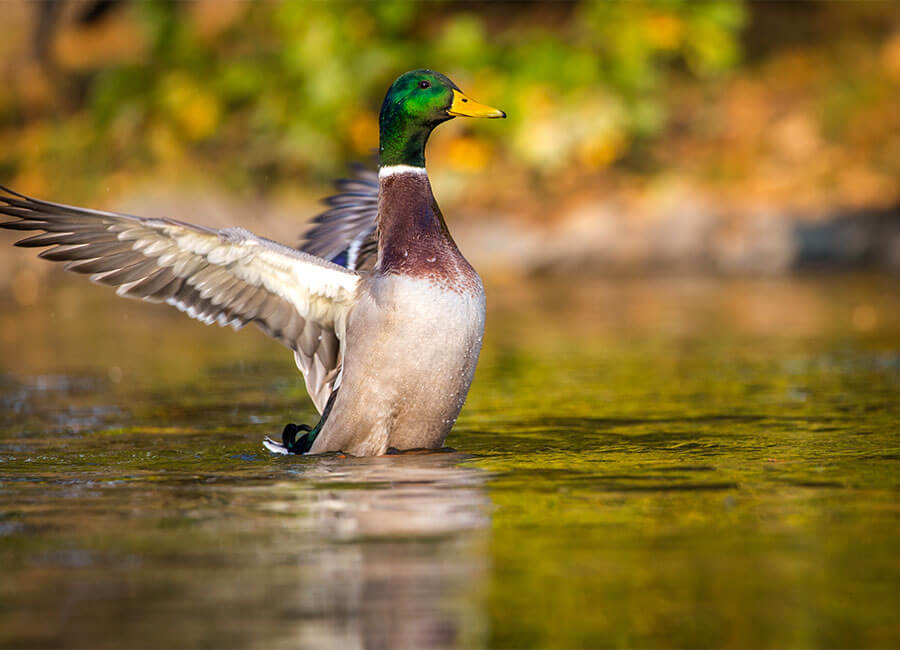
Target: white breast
column 412, row 348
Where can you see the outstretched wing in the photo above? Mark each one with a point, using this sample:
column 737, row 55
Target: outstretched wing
column 345, row 233
column 229, row 277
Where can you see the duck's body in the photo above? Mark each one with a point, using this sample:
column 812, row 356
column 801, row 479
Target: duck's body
column 424, row 299
column 388, row 354
column 410, row 401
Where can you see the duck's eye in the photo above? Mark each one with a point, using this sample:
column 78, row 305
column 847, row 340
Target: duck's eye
column 424, row 84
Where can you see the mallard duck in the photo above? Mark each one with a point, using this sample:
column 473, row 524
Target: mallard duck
column 383, row 313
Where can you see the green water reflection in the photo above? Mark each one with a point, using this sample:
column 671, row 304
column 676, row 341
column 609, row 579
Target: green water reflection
column 665, row 463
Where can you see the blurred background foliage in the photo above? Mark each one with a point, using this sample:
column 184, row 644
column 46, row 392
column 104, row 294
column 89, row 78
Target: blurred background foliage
column 642, row 108
column 285, row 89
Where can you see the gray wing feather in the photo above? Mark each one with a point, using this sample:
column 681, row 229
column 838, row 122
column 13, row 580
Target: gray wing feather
column 347, row 227
column 228, row 277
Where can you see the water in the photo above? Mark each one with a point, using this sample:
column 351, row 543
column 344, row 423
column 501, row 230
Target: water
column 641, row 463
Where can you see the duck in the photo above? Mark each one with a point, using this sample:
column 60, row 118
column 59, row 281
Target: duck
column 383, row 314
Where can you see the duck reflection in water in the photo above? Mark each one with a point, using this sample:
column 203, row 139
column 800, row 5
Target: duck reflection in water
column 394, row 548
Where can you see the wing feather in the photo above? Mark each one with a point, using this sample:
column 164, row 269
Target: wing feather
column 345, row 233
column 230, row 277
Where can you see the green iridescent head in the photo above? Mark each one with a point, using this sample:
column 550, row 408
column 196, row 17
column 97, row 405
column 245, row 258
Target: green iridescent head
column 416, row 103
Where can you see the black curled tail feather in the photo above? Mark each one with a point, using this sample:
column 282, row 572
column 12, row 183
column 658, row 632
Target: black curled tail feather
column 291, row 444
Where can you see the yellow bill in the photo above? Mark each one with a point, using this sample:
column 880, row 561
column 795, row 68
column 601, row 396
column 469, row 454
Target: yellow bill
column 463, row 106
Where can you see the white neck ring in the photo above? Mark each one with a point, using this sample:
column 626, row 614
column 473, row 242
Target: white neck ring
column 392, row 170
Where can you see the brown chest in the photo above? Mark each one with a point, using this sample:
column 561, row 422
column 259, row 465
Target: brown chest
column 413, row 239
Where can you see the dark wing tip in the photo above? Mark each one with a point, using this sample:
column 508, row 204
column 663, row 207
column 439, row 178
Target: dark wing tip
column 11, row 191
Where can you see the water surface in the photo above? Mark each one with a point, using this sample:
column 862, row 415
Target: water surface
column 641, row 463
